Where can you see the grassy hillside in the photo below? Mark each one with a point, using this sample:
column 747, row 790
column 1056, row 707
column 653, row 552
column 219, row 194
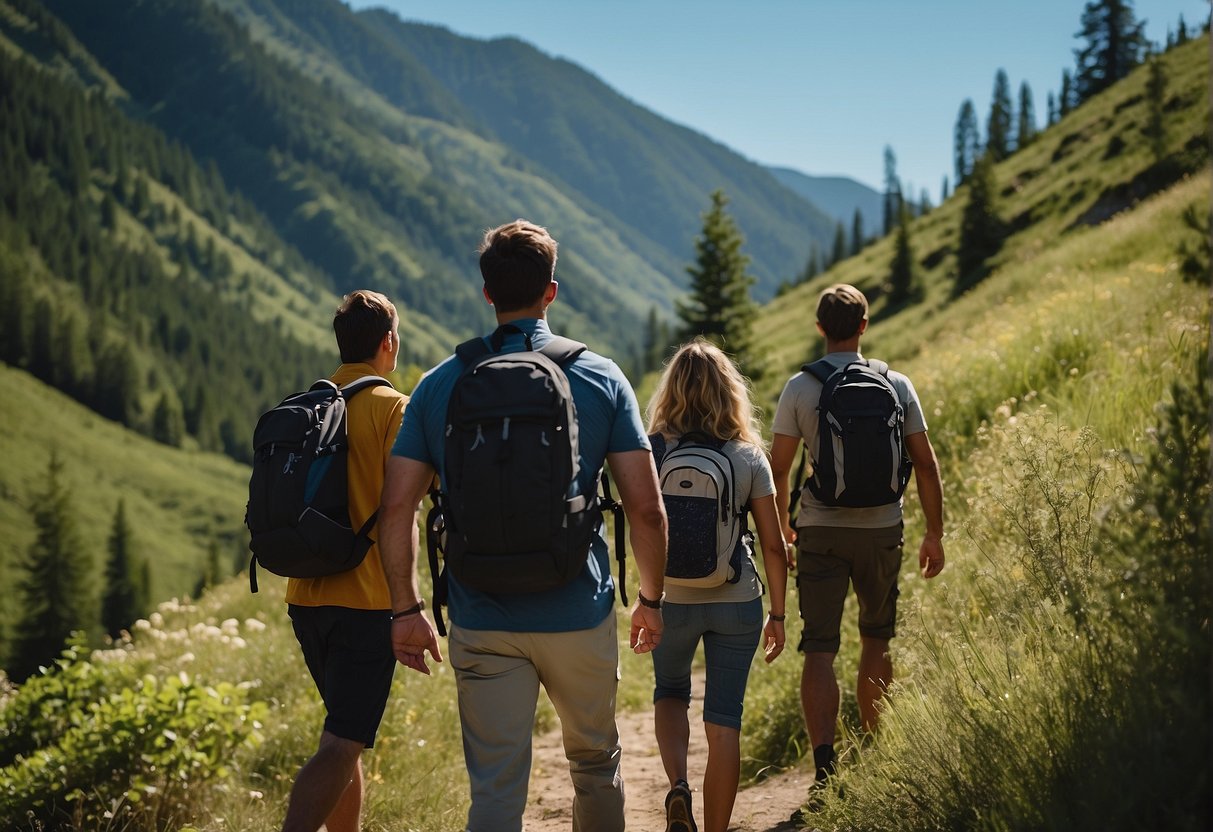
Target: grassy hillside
column 1083, row 171
column 178, row 502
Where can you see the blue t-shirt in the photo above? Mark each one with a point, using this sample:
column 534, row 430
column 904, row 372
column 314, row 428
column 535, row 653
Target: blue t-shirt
column 608, row 419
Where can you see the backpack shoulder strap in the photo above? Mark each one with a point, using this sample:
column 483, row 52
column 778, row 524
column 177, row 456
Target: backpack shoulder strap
column 879, row 366
column 471, row 350
column 659, row 447
column 562, row 350
column 359, row 384
column 819, row 369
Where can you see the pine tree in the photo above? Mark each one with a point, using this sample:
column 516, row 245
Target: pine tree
column 944, row 191
column 1181, row 37
column 892, row 190
column 857, row 236
column 840, row 243
column 1025, row 132
column 901, row 270
column 1156, row 123
column 1051, row 106
column 119, row 598
column 168, row 421
column 719, row 307
column 998, row 125
column 981, row 229
column 967, row 141
column 1065, row 99
column 53, row 590
column 1115, row 41
column 812, row 266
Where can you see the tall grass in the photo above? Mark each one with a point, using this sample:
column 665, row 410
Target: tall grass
column 1064, row 684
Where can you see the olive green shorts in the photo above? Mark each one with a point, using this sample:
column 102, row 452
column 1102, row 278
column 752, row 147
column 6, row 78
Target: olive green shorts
column 829, row 560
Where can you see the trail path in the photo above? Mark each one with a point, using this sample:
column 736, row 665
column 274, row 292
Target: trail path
column 765, row 807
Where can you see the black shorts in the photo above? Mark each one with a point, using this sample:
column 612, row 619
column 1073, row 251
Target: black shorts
column 349, row 653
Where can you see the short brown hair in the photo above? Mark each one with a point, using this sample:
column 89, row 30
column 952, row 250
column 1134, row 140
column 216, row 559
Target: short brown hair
column 840, row 310
column 517, row 262
column 360, row 323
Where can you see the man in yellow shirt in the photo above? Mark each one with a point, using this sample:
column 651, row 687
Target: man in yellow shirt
column 343, row 621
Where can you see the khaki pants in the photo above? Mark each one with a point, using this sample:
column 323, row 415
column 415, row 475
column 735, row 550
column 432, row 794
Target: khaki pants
column 498, row 675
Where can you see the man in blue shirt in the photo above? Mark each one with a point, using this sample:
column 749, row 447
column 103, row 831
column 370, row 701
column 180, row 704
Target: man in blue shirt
column 504, row 646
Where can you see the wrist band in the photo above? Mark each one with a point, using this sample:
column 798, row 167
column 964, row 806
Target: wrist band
column 645, row 602
column 413, row 610
column 775, row 617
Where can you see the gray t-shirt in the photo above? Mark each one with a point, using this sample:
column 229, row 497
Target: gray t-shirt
column 796, row 416
column 751, row 479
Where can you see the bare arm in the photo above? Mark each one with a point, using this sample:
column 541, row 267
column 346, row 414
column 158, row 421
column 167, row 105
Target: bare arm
column 783, row 454
column 775, row 564
column 636, row 478
column 930, row 495
column 404, row 486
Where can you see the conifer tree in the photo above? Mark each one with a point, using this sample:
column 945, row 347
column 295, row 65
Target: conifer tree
column 1065, row 99
column 1114, row 43
column 168, row 421
column 1051, row 107
column 981, row 229
column 53, row 591
column 944, row 191
column 840, row 243
column 857, row 236
column 1025, row 132
column 967, row 141
column 812, row 266
column 1156, row 123
column 998, row 125
column 719, row 307
column 901, row 270
column 120, row 595
column 892, row 190
column 1181, row 36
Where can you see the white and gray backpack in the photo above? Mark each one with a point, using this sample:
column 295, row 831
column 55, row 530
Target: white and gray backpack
column 707, row 528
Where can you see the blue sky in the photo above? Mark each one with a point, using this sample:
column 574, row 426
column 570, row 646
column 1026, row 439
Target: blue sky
column 816, row 85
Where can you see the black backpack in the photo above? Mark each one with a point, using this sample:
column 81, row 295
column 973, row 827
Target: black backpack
column 298, row 510
column 861, row 458
column 707, row 529
column 508, row 518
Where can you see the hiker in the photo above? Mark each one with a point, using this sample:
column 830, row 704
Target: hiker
column 858, row 544
column 341, row 620
column 701, row 413
column 504, row 645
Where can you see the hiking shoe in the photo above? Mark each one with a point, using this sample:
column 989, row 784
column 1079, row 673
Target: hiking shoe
column 678, row 809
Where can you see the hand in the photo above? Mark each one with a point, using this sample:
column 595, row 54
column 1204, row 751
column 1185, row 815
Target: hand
column 930, row 556
column 647, row 625
column 412, row 635
column 774, row 639
column 791, row 539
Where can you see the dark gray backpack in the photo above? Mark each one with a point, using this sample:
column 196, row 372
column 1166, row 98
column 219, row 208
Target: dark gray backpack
column 510, row 516
column 861, row 457
column 298, row 511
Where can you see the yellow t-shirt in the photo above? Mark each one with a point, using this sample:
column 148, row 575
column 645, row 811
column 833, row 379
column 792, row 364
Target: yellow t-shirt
column 372, row 421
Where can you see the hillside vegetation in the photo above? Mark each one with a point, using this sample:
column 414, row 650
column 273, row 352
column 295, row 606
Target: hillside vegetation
column 1054, row 677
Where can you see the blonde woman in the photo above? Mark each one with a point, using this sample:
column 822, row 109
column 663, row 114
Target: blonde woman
column 704, row 401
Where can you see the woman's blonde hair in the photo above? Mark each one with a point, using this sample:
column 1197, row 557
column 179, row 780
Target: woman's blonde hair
column 702, row 391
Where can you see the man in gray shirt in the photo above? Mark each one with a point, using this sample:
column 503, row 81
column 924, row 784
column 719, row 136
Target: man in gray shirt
column 839, row 546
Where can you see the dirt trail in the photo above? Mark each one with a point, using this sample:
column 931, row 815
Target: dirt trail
column 765, row 807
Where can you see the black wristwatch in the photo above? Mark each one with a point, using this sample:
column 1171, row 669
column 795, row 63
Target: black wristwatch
column 413, row 610
column 647, row 602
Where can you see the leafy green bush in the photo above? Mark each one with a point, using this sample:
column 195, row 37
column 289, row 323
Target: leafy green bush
column 95, row 745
